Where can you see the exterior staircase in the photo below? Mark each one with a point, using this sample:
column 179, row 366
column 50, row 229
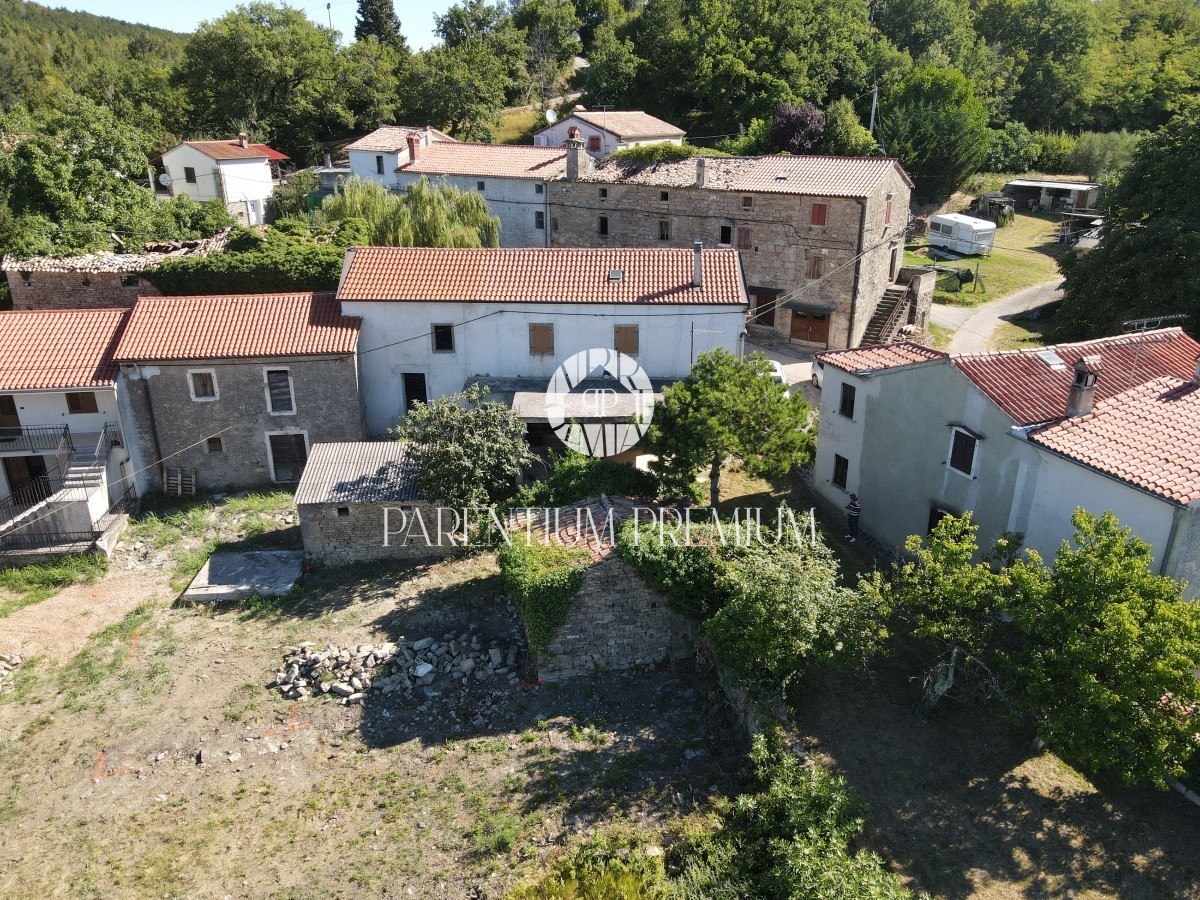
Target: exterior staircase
column 890, row 315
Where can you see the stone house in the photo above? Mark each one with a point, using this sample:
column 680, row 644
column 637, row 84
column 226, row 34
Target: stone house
column 1020, row 439
column 359, row 501
column 64, row 468
column 240, row 174
column 233, row 391
column 821, row 238
column 607, row 131
column 94, row 280
column 438, row 319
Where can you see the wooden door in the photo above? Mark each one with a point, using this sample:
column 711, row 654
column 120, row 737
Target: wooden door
column 810, row 327
column 10, row 422
column 289, row 453
column 764, row 310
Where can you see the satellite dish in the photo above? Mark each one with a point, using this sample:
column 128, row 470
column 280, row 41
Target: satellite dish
column 165, row 179
column 551, row 116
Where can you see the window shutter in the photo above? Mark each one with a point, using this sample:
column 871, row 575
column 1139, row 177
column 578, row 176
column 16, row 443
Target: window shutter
column 279, row 386
column 743, row 238
column 818, row 214
column 626, row 339
column 541, row 340
column 962, row 452
column 815, row 267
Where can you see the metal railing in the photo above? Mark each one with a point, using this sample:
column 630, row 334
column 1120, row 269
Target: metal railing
column 893, row 319
column 48, row 540
column 35, row 438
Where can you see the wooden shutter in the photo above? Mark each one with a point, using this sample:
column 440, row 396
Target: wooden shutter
column 819, row 211
column 204, row 386
column 626, row 339
column 279, row 387
column 541, row 340
column 962, row 452
column 815, row 267
column 743, row 238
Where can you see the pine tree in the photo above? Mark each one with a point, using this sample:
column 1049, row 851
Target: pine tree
column 378, row 19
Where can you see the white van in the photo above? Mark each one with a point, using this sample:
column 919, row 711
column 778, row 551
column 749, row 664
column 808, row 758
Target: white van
column 962, row 234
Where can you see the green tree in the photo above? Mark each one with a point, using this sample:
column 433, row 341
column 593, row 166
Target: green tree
column 1013, row 148
column 1146, row 261
column 459, row 87
column 1101, row 156
column 728, row 407
column 1106, row 668
column 378, row 19
column 473, row 448
column 612, row 75
column 552, row 33
column 844, row 132
column 429, row 214
column 933, row 122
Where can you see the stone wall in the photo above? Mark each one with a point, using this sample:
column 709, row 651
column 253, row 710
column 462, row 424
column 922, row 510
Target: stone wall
column 340, row 534
column 615, row 622
column 883, row 247
column 76, row 290
column 921, row 281
column 171, row 425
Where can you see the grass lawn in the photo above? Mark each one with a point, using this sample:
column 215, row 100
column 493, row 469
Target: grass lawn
column 22, row 586
column 1024, row 254
column 1019, row 334
column 939, row 336
column 516, row 125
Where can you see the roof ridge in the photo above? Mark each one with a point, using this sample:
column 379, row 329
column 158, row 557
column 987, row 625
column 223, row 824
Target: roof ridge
column 1108, row 340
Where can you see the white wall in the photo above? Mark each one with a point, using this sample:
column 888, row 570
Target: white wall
column 556, row 134
column 514, row 201
column 50, row 408
column 207, row 186
column 498, row 346
column 362, row 164
column 242, row 183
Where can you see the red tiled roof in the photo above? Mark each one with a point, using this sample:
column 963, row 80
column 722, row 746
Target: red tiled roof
column 813, row 176
column 1030, row 391
column 489, row 160
column 1148, row 436
column 880, row 356
column 237, row 326
column 626, row 124
column 233, row 150
column 59, row 348
column 541, row 275
column 390, row 138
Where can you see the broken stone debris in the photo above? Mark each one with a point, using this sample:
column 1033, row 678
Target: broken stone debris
column 352, row 673
column 8, row 665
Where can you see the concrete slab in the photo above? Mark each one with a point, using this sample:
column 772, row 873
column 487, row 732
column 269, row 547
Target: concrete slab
column 232, row 576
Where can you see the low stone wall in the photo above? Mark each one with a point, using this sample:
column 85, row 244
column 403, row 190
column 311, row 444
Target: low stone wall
column 77, row 290
column 340, row 534
column 616, row 622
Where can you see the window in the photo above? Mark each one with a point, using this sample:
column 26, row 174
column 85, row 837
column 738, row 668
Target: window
column 129, row 281
column 443, row 338
column 539, row 220
column 279, row 391
column 480, row 185
column 603, row 193
column 541, row 340
column 747, row 203
column 841, row 470
column 289, row 453
column 887, row 213
column 378, row 165
column 81, row 403
column 625, row 339
column 819, row 211
column 814, row 266
column 539, row 188
column 602, row 225
column 593, row 144
column 962, row 452
column 936, row 514
column 846, row 407
column 743, row 238
column 343, row 512
column 189, row 174
column 726, row 236
column 663, row 196
column 664, row 231
column 214, row 445
column 202, row 383
column 27, row 278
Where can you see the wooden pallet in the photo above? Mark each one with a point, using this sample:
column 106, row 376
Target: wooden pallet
column 179, row 481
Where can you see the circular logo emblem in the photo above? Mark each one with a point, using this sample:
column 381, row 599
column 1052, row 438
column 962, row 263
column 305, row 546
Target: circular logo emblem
column 600, row 402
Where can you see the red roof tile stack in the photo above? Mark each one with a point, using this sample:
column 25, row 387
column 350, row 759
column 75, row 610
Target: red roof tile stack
column 55, row 349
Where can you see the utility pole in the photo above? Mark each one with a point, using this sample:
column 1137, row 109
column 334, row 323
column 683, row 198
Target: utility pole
column 874, row 105
column 329, row 12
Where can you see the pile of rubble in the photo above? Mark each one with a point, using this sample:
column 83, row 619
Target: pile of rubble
column 8, row 665
column 350, row 673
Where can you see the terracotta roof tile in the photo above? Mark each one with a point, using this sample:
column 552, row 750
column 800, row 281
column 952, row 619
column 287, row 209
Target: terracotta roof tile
column 1032, row 391
column 541, row 275
column 233, row 150
column 628, row 125
column 489, row 160
column 813, row 176
column 59, row 348
column 237, row 327
column 1148, row 436
column 876, row 358
column 390, row 138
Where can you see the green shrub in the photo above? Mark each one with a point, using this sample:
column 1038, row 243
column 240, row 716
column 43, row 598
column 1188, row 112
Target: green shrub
column 1101, row 155
column 685, row 575
column 652, row 154
column 1054, row 154
column 542, row 579
column 612, row 866
column 575, row 477
column 1013, row 148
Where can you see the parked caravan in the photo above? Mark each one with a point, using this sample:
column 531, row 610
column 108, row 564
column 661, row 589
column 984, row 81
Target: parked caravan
column 965, row 235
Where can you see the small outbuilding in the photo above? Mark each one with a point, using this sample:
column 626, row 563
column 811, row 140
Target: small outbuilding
column 359, row 501
column 963, row 235
column 1049, row 195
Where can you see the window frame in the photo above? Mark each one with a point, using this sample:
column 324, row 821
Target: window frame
column 130, row 281
column 664, row 196
column 539, row 220
column 267, row 370
column 191, row 382
column 189, row 175
column 842, row 463
column 814, row 266
column 847, row 398
column 532, row 350
column 209, row 448
column 81, row 411
column 725, row 236
column 379, row 164
column 433, row 335
column 887, row 213
column 481, row 186
column 637, row 339
column 747, row 202
column 823, row 215
column 664, row 229
column 955, row 431
column 745, row 238
column 267, row 435
column 539, row 188
column 593, row 143
column 602, row 226
column 602, row 193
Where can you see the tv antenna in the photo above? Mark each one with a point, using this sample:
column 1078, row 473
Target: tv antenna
column 1143, row 329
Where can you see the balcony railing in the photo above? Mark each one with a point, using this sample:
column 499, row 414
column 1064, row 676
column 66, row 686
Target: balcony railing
column 35, row 439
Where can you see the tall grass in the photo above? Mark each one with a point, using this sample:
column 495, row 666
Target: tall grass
column 35, row 583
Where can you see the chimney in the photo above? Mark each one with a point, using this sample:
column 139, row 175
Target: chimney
column 1083, row 388
column 243, row 139
column 414, row 147
column 574, row 146
column 701, row 170
column 697, row 265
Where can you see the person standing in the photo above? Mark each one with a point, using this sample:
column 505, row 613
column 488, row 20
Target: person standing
column 853, row 511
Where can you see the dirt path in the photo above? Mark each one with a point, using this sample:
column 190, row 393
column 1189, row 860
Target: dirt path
column 59, row 627
column 973, row 327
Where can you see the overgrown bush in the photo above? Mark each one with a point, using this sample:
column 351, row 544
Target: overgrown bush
column 575, row 477
column 612, row 866
column 1102, row 155
column 685, row 574
column 652, row 154
column 1013, row 148
column 1054, row 152
column 542, row 579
